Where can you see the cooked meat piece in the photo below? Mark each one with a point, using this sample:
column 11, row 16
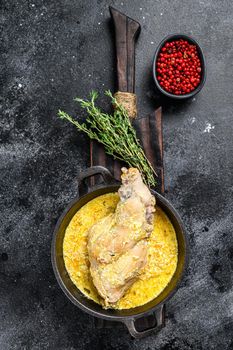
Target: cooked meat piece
column 131, row 222
column 113, row 280
column 117, row 244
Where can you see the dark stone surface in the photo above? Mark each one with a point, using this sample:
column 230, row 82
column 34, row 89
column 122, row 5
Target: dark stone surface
column 52, row 51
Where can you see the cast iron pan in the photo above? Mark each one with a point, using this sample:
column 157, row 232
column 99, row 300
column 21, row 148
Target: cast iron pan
column 130, row 316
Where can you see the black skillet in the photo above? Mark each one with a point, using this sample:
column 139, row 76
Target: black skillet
column 129, row 317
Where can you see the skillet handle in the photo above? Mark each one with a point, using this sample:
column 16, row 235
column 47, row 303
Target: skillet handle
column 84, row 186
column 159, row 324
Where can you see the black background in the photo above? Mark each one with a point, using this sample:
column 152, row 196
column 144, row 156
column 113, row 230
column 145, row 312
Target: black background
column 53, row 51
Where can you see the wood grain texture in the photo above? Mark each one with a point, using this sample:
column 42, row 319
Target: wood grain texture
column 156, row 136
column 149, row 129
column 150, row 132
column 99, row 157
column 126, row 32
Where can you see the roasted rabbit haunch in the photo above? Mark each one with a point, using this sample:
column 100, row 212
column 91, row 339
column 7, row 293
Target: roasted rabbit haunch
column 102, row 225
column 117, row 244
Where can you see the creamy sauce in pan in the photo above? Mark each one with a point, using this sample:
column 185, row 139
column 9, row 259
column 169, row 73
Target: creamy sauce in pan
column 161, row 260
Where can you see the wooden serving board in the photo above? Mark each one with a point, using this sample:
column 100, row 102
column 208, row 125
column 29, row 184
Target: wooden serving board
column 148, row 128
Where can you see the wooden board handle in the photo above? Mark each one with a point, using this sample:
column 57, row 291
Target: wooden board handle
column 158, row 149
column 126, row 33
column 150, row 132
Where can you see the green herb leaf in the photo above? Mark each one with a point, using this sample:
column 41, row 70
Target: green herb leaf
column 115, row 132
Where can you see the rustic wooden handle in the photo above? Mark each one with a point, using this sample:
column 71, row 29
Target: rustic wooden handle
column 126, row 33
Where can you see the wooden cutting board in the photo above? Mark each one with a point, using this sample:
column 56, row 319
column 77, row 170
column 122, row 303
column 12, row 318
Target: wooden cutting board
column 148, row 128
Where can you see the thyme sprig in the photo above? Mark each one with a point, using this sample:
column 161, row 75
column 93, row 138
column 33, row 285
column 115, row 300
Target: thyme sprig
column 115, row 132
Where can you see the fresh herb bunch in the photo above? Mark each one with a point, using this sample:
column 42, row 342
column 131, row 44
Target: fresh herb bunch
column 115, row 132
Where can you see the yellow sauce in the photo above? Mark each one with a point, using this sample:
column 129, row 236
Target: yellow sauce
column 161, row 258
